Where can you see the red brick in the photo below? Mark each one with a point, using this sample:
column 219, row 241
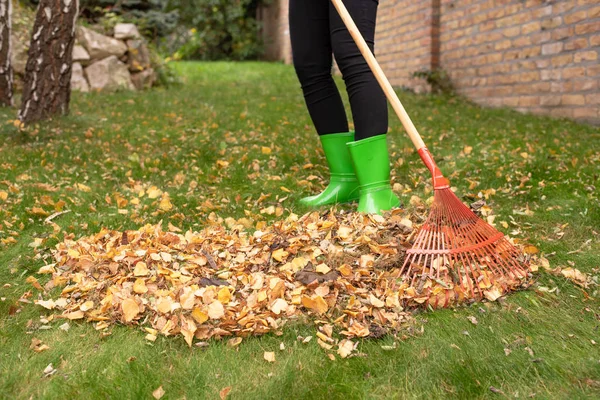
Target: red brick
column 585, row 85
column 573, row 72
column 575, row 17
column 590, row 27
column 541, row 37
column 521, row 41
column 562, row 33
column 550, row 101
column 595, row 40
column 550, row 74
column 550, row 23
column 531, row 27
column 586, row 112
column 573, row 99
column 541, row 87
column 593, row 12
column 562, row 112
column 528, row 101
column 593, row 98
column 576, row 44
column 510, row 101
column 562, row 59
column 593, row 70
column 542, row 12
column 552, row 48
column 586, row 56
column 512, row 31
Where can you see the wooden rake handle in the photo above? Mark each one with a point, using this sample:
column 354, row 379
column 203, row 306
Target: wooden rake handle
column 439, row 181
column 379, row 75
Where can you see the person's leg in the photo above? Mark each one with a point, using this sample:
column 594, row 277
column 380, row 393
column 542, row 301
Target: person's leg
column 369, row 151
column 312, row 57
column 367, row 100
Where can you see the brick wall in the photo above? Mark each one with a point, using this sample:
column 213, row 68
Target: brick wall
column 403, row 41
column 539, row 56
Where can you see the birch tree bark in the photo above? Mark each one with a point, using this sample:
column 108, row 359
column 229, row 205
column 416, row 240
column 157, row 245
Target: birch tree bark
column 47, row 83
column 6, row 72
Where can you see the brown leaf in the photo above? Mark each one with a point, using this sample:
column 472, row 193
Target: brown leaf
column 130, row 309
column 158, row 393
column 224, row 392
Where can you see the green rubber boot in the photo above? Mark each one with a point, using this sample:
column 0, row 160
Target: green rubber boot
column 343, row 185
column 372, row 166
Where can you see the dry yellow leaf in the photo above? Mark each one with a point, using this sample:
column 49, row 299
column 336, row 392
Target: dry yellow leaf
column 141, row 269
column 216, row 310
column 199, row 316
column 280, row 254
column 316, row 304
column 88, row 305
column 224, row 295
column 165, row 203
column 266, row 150
column 493, row 294
column 322, row 268
column 375, row 302
column 158, row 393
column 3, row 195
column 83, row 188
column 153, row 192
column 47, row 304
column 529, row 249
column 187, row 298
column 345, row 348
column 130, row 309
column 164, row 304
column 345, row 270
column 279, row 306
column 269, row 356
column 140, row 286
column 74, row 315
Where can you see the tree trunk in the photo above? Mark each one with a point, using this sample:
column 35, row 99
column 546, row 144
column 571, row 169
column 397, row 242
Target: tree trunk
column 6, row 72
column 47, row 83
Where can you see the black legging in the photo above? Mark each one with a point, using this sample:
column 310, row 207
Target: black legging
column 317, row 31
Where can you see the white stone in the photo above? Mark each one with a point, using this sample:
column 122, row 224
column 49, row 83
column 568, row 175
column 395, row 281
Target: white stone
column 99, row 46
column 78, row 81
column 126, row 31
column 109, row 74
column 144, row 79
column 80, row 54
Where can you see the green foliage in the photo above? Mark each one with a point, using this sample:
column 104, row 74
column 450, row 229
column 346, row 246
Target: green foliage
column 438, row 79
column 216, row 29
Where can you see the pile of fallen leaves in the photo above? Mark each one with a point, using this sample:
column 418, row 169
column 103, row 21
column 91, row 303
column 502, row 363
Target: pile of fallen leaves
column 340, row 269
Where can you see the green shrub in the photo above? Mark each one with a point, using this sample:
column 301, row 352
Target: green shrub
column 216, row 30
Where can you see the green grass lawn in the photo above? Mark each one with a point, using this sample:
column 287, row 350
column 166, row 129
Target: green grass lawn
column 234, row 139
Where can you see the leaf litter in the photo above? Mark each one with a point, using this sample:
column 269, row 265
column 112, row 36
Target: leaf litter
column 339, row 270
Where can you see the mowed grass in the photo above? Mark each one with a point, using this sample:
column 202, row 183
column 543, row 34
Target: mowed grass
column 235, row 131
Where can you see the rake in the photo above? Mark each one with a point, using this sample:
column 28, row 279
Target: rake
column 454, row 244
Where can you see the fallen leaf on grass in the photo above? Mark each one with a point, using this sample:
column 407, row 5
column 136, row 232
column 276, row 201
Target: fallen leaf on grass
column 269, row 356
column 224, row 392
column 345, row 348
column 158, row 393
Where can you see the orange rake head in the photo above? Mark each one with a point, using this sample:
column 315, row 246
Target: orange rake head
column 456, row 246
